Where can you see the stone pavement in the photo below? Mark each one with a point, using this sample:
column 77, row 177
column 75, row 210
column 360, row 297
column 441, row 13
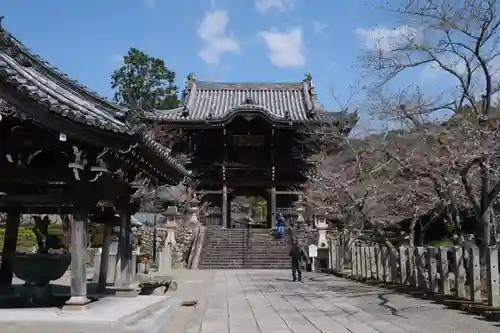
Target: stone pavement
column 267, row 301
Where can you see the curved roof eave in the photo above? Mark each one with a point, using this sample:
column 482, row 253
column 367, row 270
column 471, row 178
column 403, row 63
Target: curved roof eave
column 321, row 117
column 163, row 153
column 33, row 78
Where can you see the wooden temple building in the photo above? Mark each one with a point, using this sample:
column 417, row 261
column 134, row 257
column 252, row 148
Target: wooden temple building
column 66, row 150
column 248, row 139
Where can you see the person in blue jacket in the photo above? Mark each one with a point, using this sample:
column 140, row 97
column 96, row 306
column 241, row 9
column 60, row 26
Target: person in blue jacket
column 280, row 225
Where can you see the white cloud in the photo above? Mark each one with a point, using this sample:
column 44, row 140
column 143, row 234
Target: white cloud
column 216, row 41
column 319, row 27
column 281, row 5
column 384, row 39
column 285, row 48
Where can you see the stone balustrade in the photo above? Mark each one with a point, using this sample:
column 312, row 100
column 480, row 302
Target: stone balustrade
column 455, row 271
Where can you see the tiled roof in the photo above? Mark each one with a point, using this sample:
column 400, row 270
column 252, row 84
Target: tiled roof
column 35, row 79
column 215, row 101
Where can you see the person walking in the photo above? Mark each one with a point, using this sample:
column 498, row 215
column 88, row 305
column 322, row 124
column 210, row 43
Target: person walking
column 297, row 254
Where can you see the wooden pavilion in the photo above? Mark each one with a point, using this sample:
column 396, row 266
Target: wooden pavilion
column 249, row 138
column 66, row 150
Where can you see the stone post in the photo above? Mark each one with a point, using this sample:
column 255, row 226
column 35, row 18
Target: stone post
column 363, row 261
column 432, row 269
column 378, row 263
column 412, row 268
column 385, row 263
column 443, row 269
column 359, row 262
column 367, row 262
column 459, row 270
column 420, row 263
column 492, row 283
column 79, row 258
column 474, row 274
column 373, row 263
column 403, row 277
column 394, row 265
column 9, row 246
column 354, row 261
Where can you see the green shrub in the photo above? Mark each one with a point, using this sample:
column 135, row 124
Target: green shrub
column 25, row 238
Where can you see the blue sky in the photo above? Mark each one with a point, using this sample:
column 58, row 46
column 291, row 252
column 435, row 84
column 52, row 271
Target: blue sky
column 223, row 40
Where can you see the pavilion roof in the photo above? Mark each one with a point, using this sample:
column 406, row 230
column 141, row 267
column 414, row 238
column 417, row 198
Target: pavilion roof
column 220, row 101
column 36, row 80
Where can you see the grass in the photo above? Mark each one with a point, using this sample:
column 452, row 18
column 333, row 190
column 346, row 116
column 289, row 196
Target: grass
column 444, row 243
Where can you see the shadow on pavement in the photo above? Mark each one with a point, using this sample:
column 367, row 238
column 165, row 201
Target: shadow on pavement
column 479, row 310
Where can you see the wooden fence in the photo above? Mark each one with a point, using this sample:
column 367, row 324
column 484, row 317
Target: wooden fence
column 450, row 271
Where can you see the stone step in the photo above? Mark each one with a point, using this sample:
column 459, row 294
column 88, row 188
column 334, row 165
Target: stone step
column 247, row 263
column 240, row 257
column 246, row 238
column 242, row 248
column 241, row 234
column 243, row 267
column 247, row 244
column 250, row 250
column 240, row 251
column 246, row 266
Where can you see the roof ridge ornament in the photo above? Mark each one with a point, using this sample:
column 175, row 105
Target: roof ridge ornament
column 11, row 47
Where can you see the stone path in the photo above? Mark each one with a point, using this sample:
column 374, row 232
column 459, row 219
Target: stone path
column 244, row 301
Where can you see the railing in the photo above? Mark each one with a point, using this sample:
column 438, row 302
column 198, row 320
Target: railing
column 449, row 271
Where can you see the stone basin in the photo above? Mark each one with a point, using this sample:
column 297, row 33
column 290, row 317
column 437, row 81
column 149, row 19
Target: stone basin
column 39, row 268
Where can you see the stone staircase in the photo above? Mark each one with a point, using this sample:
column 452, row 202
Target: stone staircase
column 244, row 248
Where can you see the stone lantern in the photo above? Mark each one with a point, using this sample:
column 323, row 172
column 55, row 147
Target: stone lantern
column 299, row 209
column 322, row 227
column 169, row 243
column 171, row 224
column 191, row 216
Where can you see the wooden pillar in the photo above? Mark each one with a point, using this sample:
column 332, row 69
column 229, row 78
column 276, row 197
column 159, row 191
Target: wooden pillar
column 78, row 258
column 9, row 246
column 273, row 207
column 124, row 251
column 106, row 244
column 225, row 222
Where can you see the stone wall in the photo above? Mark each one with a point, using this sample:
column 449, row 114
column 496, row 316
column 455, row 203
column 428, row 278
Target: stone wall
column 184, row 238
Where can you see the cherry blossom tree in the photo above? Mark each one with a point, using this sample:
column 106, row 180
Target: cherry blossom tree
column 457, row 43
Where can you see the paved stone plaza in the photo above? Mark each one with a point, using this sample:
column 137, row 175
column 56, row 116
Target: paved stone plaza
column 244, row 301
